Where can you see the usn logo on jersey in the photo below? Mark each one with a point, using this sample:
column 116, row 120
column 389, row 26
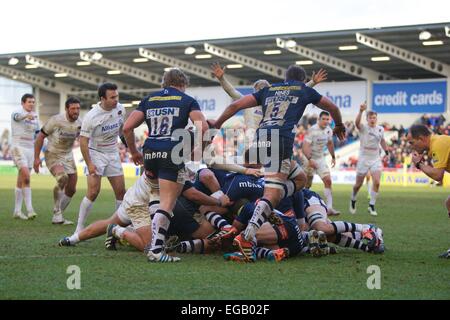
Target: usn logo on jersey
column 165, row 111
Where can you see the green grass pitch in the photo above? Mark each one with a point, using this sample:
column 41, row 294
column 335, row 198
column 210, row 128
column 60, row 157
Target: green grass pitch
column 415, row 224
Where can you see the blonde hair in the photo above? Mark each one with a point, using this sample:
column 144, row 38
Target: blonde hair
column 175, row 78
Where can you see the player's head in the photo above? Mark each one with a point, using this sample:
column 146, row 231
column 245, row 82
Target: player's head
column 295, row 73
column 324, row 119
column 259, row 84
column 73, row 106
column 28, row 102
column 419, row 138
column 372, row 118
column 108, row 94
column 174, row 77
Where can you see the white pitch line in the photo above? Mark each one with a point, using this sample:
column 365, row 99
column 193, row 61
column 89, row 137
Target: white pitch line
column 65, row 256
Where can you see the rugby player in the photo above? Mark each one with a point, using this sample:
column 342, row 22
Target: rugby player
column 166, row 113
column 316, row 138
column 100, row 130
column 369, row 160
column 438, row 149
column 61, row 130
column 24, row 126
column 283, row 105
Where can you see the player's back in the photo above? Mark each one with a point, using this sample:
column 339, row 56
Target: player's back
column 240, row 186
column 440, row 151
column 166, row 111
column 283, row 105
column 139, row 192
column 61, row 133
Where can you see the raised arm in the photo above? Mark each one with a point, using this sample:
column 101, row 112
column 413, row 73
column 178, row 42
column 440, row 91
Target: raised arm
column 219, row 73
column 320, row 76
column 362, row 108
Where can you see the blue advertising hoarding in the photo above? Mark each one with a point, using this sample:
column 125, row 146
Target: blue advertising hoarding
column 410, row 97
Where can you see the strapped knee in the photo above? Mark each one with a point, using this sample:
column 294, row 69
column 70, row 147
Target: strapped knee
column 315, row 218
column 61, row 179
column 287, row 187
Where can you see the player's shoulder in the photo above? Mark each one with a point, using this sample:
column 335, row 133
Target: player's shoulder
column 56, row 119
column 120, row 109
column 93, row 112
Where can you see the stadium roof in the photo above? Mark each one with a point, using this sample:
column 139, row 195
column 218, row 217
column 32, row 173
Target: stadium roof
column 315, row 49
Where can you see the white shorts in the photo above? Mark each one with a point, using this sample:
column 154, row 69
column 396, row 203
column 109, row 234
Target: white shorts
column 366, row 164
column 108, row 164
column 65, row 160
column 23, row 157
column 138, row 216
column 322, row 168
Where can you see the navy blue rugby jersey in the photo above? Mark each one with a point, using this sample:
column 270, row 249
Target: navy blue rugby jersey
column 166, row 111
column 283, row 105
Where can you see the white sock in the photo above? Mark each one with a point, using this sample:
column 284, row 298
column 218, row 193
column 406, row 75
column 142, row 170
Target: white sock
column 118, row 231
column 57, row 193
column 19, row 199
column 369, row 187
column 329, row 197
column 65, row 200
column 373, row 197
column 74, row 239
column 118, row 203
column 85, row 210
column 354, row 196
column 27, row 196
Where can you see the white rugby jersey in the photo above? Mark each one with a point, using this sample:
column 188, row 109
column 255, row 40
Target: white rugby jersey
column 318, row 138
column 139, row 193
column 370, row 140
column 61, row 133
column 24, row 131
column 102, row 127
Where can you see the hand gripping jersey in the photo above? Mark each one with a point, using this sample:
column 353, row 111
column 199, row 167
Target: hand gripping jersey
column 283, row 105
column 165, row 111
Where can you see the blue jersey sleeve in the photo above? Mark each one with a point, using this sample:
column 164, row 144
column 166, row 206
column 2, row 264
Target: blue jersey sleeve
column 195, row 106
column 259, row 96
column 142, row 105
column 312, row 95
